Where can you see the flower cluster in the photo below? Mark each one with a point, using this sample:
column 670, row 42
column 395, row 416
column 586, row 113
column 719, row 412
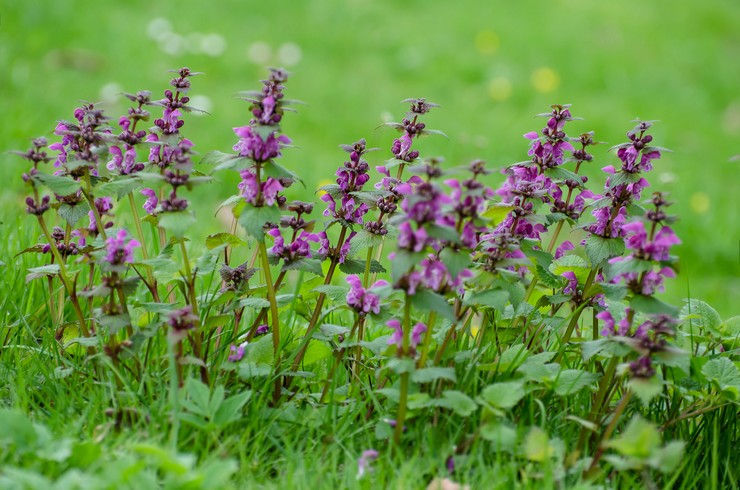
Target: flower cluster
column 119, row 251
column 415, row 337
column 362, row 300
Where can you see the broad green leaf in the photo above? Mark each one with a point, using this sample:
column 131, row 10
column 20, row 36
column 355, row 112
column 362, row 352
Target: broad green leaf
column 646, row 388
column 701, row 313
column 57, row 184
column 403, row 262
column 458, row 402
column 497, row 212
column 306, row 264
column 455, row 260
column 357, row 266
column 502, row 435
column 725, row 374
column 504, row 395
column 667, row 458
column 213, row 241
column 652, row 305
column 315, row 352
column 426, row 300
column 639, row 439
column 43, row 271
column 121, row 186
column 427, row 375
column 537, row 446
column 72, row 214
column 335, row 293
column 600, row 249
column 256, row 303
column 494, row 298
column 253, row 219
column 260, row 352
column 176, row 223
column 230, row 409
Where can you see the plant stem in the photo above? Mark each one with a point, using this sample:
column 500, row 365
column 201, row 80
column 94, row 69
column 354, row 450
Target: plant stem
column 427, row 340
column 65, row 280
column 140, row 233
column 404, row 388
column 607, row 434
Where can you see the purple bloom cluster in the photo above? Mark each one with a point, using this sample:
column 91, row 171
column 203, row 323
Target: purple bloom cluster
column 415, row 337
column 363, row 464
column 180, row 322
column 81, row 142
column 298, row 248
column 119, row 250
column 362, row 300
column 626, row 185
column 65, row 249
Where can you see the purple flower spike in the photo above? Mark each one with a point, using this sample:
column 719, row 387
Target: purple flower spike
column 119, row 251
column 397, row 337
column 416, row 333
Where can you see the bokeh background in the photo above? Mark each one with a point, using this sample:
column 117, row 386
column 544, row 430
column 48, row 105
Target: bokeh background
column 490, row 64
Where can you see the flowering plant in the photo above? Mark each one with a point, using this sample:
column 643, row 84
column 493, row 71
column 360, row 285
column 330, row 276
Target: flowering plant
column 539, row 289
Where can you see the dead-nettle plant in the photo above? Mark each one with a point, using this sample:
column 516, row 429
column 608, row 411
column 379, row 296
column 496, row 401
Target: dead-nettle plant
column 541, row 286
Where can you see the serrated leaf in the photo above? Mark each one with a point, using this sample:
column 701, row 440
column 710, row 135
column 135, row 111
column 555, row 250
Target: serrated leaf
column 652, row 305
column 305, row 264
column 215, row 240
column 455, row 260
column 639, row 439
column 335, row 293
column 702, row 311
column 315, row 352
column 72, row 214
column 120, row 186
column 256, row 303
column 430, row 374
column 599, row 249
column 426, row 300
column 64, row 186
column 277, row 171
column 230, row 409
column 494, row 298
column 458, row 402
column 43, row 271
column 646, row 388
column 497, row 212
column 176, row 223
column 725, row 374
column 253, row 219
column 504, row 395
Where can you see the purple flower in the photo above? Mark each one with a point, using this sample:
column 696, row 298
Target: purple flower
column 119, row 250
column 572, row 287
column 180, row 322
column 252, row 146
column 397, row 337
column 565, row 246
column 150, row 205
column 262, row 330
column 416, row 334
column 363, row 464
column 361, row 299
column 237, row 353
column 346, row 248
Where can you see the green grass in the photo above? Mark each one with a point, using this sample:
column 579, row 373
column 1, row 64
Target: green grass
column 670, row 61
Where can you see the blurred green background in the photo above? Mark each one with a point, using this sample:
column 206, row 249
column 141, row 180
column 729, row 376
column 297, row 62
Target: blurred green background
column 491, row 65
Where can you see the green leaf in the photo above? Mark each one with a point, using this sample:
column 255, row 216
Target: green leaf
column 504, row 395
column 560, row 173
column 363, row 240
column 513, row 357
column 600, row 249
column 639, row 439
column 725, row 374
column 652, row 305
column 277, row 171
column 261, row 351
column 571, row 263
column 353, row 266
column 430, row 374
column 571, row 381
column 305, row 264
column 230, row 410
column 120, row 186
column 253, row 219
column 43, row 271
column 667, row 458
column 337, row 294
column 213, row 241
column 494, row 298
column 497, row 212
column 57, row 184
column 176, row 223
column 458, row 402
column 427, row 300
column 256, row 303
column 315, row 352
column 502, row 436
column 646, row 388
column 537, row 446
column 702, row 311
column 626, row 266
column 72, row 214
column 403, row 262
column 455, row 260
column 17, row 430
